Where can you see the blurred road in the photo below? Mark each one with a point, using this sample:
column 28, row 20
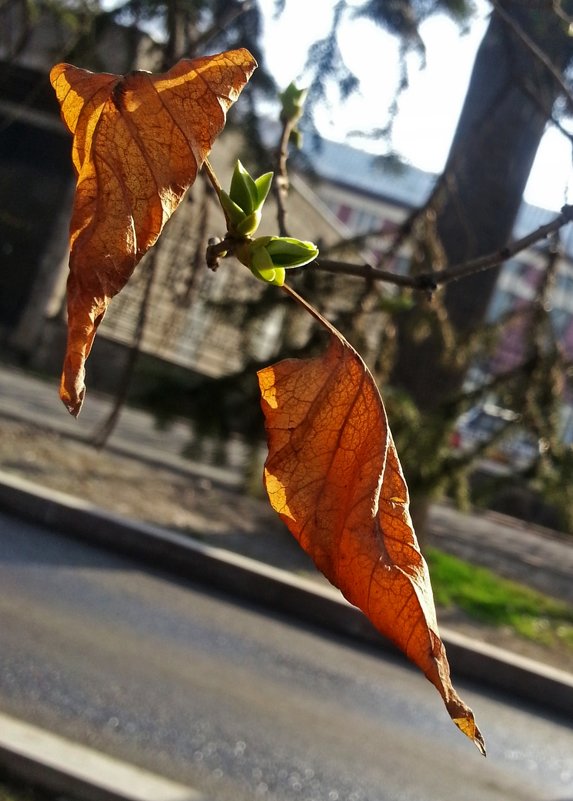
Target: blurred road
column 240, row 703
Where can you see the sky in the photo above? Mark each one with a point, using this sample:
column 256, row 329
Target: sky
column 429, row 109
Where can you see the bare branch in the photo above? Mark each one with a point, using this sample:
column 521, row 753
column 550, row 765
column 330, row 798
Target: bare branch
column 430, row 281
column 369, row 272
column 220, row 25
column 281, row 179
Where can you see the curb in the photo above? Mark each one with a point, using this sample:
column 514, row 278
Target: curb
column 61, row 766
column 520, row 677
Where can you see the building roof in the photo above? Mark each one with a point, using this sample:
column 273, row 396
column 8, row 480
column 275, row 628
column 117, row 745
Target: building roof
column 364, row 172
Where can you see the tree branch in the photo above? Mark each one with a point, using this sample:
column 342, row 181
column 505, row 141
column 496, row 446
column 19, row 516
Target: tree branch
column 430, row 281
column 220, row 25
column 282, row 180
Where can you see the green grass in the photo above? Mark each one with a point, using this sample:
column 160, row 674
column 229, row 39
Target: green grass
column 486, row 597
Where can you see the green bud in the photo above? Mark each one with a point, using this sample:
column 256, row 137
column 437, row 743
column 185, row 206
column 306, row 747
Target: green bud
column 262, row 267
column 288, row 252
column 263, row 184
column 248, row 224
column 270, row 275
column 243, row 190
column 267, row 257
column 243, row 203
column 292, row 100
column 235, row 213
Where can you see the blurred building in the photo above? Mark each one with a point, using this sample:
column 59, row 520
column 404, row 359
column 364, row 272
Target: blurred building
column 373, row 197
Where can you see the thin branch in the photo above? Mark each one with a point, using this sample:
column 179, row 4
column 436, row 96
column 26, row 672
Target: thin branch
column 430, row 281
column 547, row 112
column 409, row 223
column 221, row 24
column 535, row 49
column 370, row 273
column 218, row 249
column 567, row 18
column 495, row 259
column 215, row 251
column 104, row 431
column 212, row 177
column 282, row 180
column 561, row 128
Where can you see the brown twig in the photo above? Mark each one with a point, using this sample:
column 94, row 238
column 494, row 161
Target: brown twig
column 282, row 180
column 217, row 249
column 106, row 428
column 212, row 176
column 429, row 281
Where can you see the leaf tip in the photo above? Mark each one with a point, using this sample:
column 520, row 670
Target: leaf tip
column 72, row 400
column 470, row 729
column 56, row 71
column 464, row 719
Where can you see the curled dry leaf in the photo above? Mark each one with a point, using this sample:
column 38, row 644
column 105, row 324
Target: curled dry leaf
column 334, row 477
column 139, row 140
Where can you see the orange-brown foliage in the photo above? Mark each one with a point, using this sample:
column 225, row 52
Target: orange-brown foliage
column 334, row 477
column 139, row 140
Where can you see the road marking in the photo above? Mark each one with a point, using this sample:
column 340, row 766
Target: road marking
column 40, row 757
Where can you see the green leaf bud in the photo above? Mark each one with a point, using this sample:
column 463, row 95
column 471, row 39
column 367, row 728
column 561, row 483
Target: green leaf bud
column 235, row 213
column 243, row 203
column 243, row 190
column 263, row 268
column 292, row 100
column 270, row 275
column 288, row 252
column 267, row 257
column 263, row 184
column 248, row 224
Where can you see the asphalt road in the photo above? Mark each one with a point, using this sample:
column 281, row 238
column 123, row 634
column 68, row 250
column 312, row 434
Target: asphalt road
column 241, row 704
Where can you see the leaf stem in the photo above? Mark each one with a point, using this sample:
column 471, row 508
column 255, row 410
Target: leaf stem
column 308, row 307
column 212, row 176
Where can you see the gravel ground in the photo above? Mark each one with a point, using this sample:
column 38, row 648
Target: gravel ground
column 191, row 504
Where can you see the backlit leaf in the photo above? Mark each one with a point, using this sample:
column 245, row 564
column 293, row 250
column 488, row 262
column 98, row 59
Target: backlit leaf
column 139, row 140
column 334, row 477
